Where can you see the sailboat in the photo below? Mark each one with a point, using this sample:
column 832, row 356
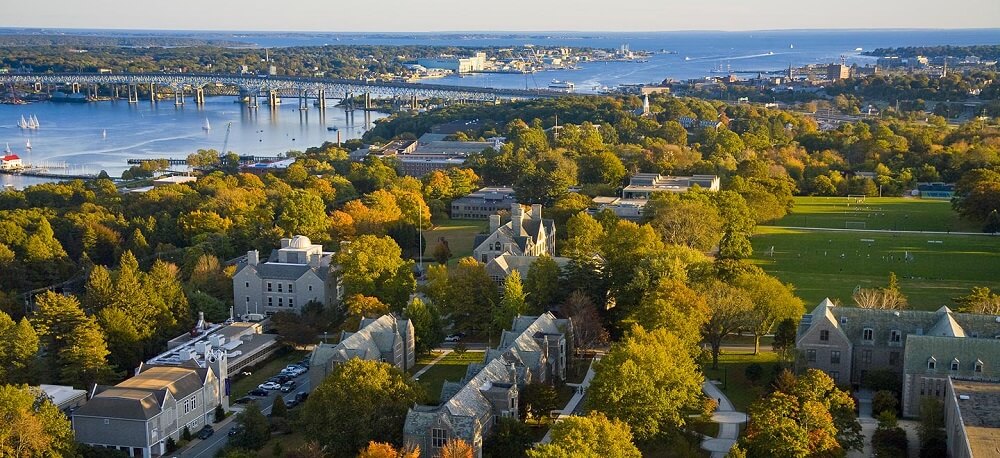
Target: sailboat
column 104, row 133
column 27, row 145
column 22, row 123
column 207, row 126
column 34, row 122
column 7, row 151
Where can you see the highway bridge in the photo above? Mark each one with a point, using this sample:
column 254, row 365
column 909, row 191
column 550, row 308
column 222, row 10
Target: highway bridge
column 252, row 86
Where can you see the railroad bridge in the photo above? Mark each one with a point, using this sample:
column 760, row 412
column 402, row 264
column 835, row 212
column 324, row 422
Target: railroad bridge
column 253, row 86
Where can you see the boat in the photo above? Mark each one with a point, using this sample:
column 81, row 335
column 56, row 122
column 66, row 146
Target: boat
column 22, row 123
column 332, row 128
column 30, row 123
column 27, row 145
column 207, row 126
column 791, row 46
column 858, row 49
column 104, row 133
column 556, row 84
column 7, row 151
column 34, row 122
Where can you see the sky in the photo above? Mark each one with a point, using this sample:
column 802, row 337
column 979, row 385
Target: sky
column 501, row 15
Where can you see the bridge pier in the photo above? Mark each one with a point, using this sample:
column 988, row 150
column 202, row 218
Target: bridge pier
column 413, row 103
column 179, row 96
column 368, row 101
column 199, row 96
column 38, row 87
column 133, row 93
column 321, row 99
column 272, row 99
column 303, row 100
column 75, row 88
column 152, row 92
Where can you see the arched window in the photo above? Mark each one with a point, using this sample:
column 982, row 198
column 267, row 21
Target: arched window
column 954, row 364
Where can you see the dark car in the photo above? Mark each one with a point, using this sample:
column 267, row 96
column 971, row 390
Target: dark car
column 301, row 396
column 289, row 403
column 287, row 386
column 259, row 393
column 245, row 400
column 206, row 432
column 304, row 363
column 279, row 379
column 235, row 430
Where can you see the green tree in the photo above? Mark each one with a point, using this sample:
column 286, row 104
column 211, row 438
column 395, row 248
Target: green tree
column 20, row 352
column 254, row 429
column 303, row 213
column 785, row 334
column 509, row 438
column 693, row 223
column 512, row 301
column 771, row 302
column 427, row 329
column 646, row 380
column 537, row 400
column 360, row 401
column 541, row 284
column 730, row 308
column 933, row 437
column 471, row 296
column 73, row 341
column 32, row 426
column 373, row 266
column 673, row 306
column 278, row 408
column 592, row 436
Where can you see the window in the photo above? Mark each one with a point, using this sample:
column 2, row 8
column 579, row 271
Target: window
column 868, row 335
column 834, row 357
column 270, row 301
column 835, row 376
column 894, row 358
column 895, row 336
column 248, row 299
column 439, row 437
column 290, row 302
column 866, row 356
column 310, row 287
column 811, row 355
column 824, row 335
column 279, row 287
column 932, row 363
column 280, row 300
column 954, row 364
column 979, row 367
column 843, row 320
column 269, row 287
column 290, row 287
column 248, row 284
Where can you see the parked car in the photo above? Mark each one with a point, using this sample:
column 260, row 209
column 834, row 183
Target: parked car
column 235, row 430
column 246, row 399
column 289, row 403
column 206, row 432
column 301, row 396
column 453, row 338
column 259, row 393
column 304, row 363
column 279, row 379
column 287, row 386
column 269, row 386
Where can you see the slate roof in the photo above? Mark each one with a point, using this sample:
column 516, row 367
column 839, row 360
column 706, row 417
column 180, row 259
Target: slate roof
column 943, row 322
column 946, row 349
column 141, row 397
column 374, row 336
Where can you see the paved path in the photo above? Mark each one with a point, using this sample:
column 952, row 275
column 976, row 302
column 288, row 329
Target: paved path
column 728, row 419
column 574, row 402
column 444, row 352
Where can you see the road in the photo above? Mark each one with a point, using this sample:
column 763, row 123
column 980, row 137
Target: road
column 208, row 448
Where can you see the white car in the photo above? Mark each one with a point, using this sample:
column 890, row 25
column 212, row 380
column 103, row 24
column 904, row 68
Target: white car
column 453, row 338
column 269, row 386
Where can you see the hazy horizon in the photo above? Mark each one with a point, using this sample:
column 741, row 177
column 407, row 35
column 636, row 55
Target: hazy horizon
column 512, row 16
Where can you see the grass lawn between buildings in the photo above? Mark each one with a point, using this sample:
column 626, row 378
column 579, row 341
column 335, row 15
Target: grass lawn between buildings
column 262, row 373
column 932, row 269
column 732, row 366
column 451, row 368
column 880, row 213
column 460, row 233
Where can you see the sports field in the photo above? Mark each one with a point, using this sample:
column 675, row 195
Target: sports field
column 882, row 213
column 932, row 268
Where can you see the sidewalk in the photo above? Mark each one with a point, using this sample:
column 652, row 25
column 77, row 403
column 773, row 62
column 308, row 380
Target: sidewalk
column 728, row 419
column 574, row 402
column 444, row 352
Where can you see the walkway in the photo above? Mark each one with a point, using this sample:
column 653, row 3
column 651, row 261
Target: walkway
column 444, row 352
column 728, row 419
column 574, row 402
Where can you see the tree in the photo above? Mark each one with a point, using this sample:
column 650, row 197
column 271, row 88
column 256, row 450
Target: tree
column 884, row 401
column 977, row 194
column 254, row 430
column 32, row 426
column 373, row 266
column 730, row 307
column 456, row 448
column 771, row 302
column 675, row 307
column 512, row 303
column 74, row 342
column 442, row 252
column 471, row 295
column 19, row 350
column 540, row 284
column 592, row 436
column 380, row 450
column 980, row 300
column 509, row 438
column 427, row 329
column 933, row 438
column 693, row 223
column 358, row 402
column 360, row 306
column 538, row 399
column 646, row 380
column 278, row 407
column 303, row 213
column 583, row 234
column 588, row 330
column 784, row 338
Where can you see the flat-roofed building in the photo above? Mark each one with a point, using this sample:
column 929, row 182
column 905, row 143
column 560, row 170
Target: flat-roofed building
column 483, row 203
column 66, row 398
column 643, row 185
column 244, row 343
column 173, row 179
column 972, row 418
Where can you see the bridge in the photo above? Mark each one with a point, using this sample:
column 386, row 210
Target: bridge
column 252, row 86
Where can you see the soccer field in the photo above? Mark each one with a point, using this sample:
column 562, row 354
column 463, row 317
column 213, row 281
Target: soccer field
column 932, row 269
column 882, row 213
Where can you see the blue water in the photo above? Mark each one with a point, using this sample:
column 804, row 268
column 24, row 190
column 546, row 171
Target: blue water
column 72, row 134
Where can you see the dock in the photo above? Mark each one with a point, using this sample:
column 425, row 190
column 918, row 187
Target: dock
column 42, row 173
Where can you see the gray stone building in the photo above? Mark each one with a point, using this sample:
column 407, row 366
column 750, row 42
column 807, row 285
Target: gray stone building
column 483, row 203
column 972, row 418
column 138, row 415
column 386, row 338
column 919, row 347
column 532, row 351
column 501, row 266
column 526, row 234
column 293, row 275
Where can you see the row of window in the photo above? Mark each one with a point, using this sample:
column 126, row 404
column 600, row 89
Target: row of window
column 866, row 357
column 270, row 302
column 867, row 335
column 190, row 405
column 956, row 365
column 270, row 287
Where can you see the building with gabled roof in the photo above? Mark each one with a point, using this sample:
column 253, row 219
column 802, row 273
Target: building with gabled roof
column 526, row 234
column 386, row 338
column 532, row 351
column 296, row 273
column 139, row 414
column 922, row 348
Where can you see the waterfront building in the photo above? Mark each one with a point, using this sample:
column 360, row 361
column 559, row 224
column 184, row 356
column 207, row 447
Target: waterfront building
column 296, row 273
column 174, row 179
column 429, row 153
column 526, row 234
column 836, row 72
column 922, row 348
column 387, row 338
column 483, row 203
column 476, row 63
column 11, row 162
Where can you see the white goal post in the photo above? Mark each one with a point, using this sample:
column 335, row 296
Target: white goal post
column 855, row 199
column 855, row 225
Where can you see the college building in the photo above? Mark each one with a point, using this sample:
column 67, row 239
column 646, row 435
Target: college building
column 296, row 273
column 922, row 348
column 386, row 338
column 526, row 234
column 483, row 203
column 642, row 186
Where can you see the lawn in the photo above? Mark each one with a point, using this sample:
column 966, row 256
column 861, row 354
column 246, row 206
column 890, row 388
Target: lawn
column 732, row 366
column 262, row 373
column 832, row 264
column 460, row 233
column 451, row 368
column 884, row 213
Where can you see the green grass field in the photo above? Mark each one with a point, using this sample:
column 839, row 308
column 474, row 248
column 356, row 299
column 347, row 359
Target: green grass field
column 451, row 368
column 883, row 213
column 732, row 372
column 459, row 233
column 831, row 264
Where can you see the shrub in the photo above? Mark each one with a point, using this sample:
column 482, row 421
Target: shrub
column 186, row 434
column 220, row 413
column 171, row 445
column 754, row 372
column 884, row 401
column 889, row 443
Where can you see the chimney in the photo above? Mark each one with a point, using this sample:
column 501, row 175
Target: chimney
column 253, row 257
column 516, row 214
column 494, row 223
column 536, row 212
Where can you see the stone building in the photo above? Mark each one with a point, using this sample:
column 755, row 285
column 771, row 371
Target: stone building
column 919, row 347
column 526, row 234
column 533, row 351
column 296, row 273
column 483, row 203
column 386, row 338
column 972, row 418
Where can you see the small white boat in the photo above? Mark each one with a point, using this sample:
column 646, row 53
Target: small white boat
column 858, row 49
column 27, row 145
column 104, row 133
column 34, row 122
column 207, row 126
column 556, row 84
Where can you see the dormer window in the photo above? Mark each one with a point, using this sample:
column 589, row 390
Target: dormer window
column 954, row 364
column 979, row 366
column 868, row 335
column 843, row 320
column 932, row 363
